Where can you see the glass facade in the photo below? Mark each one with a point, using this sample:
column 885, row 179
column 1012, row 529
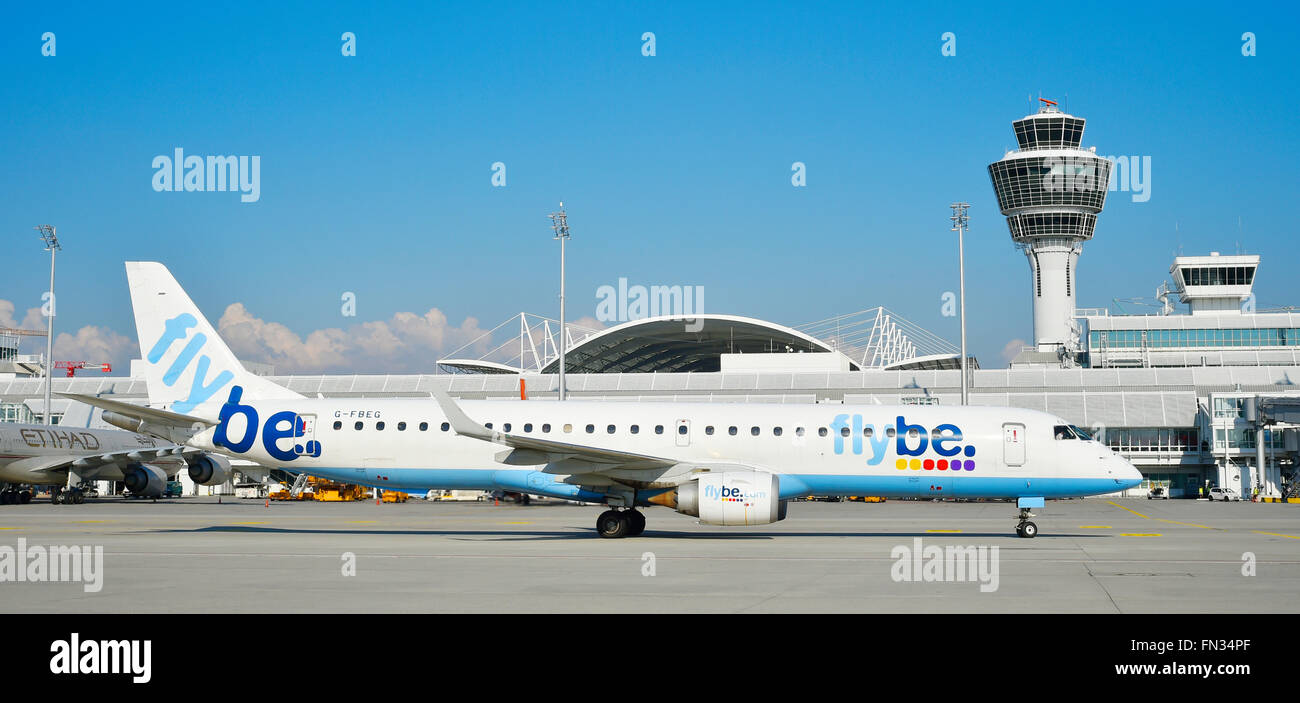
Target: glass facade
column 1218, row 276
column 1153, row 439
column 1045, row 180
column 1173, row 339
column 1049, row 132
column 1058, row 224
column 1244, row 438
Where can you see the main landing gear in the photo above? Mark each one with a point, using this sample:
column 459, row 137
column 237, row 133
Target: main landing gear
column 67, row 496
column 1026, row 528
column 14, row 496
column 620, row 523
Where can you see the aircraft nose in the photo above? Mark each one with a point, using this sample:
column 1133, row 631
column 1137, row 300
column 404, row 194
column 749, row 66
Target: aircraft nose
column 1129, row 474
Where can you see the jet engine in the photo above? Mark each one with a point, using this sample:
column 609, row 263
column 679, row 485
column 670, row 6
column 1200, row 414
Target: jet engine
column 145, row 480
column 210, row 470
column 729, row 498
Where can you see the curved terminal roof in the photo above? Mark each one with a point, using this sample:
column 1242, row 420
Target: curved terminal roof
column 934, row 362
column 675, row 345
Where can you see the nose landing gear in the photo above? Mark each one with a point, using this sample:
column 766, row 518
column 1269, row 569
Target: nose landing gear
column 1026, row 528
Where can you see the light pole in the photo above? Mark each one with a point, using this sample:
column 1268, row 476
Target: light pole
column 51, row 238
column 560, row 225
column 960, row 223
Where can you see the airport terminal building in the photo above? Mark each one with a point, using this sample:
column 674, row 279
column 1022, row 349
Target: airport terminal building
column 1196, row 398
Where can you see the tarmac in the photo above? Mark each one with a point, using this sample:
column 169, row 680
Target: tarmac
column 1099, row 555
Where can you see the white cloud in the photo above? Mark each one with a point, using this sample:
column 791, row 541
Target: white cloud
column 405, row 343
column 31, row 321
column 97, row 345
column 1012, row 348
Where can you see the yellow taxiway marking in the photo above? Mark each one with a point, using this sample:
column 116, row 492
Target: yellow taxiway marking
column 1140, row 534
column 1094, row 527
column 1117, row 505
column 1270, row 534
column 10, row 528
column 1189, row 524
column 943, row 530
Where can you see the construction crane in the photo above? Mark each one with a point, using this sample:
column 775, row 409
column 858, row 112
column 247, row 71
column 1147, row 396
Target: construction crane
column 72, row 366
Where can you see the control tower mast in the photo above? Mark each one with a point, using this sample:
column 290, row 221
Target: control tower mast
column 1050, row 191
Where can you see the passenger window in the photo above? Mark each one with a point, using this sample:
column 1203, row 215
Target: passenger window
column 379, row 425
column 821, row 432
column 445, row 426
column 401, row 427
column 844, row 432
column 338, row 425
column 913, row 433
column 487, row 425
column 546, row 427
column 681, row 429
column 754, row 430
column 732, row 430
column 568, row 427
column 635, row 429
column 505, row 427
column 591, row 428
column 708, row 430
column 890, row 433
column 528, row 427
column 609, row 430
column 776, row 431
column 359, row 425
column 659, row 429
column 867, row 431
column 798, row 432
column 424, row 426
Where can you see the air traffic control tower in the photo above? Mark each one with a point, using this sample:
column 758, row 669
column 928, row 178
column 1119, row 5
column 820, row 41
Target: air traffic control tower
column 1050, row 191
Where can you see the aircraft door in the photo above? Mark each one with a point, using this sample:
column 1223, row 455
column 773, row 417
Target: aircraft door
column 1013, row 444
column 683, row 431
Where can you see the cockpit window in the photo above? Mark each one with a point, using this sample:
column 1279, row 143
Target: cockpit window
column 1063, row 432
column 1083, row 435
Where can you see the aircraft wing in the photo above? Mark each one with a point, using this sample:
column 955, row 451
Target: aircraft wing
column 152, row 416
column 534, row 450
column 86, row 465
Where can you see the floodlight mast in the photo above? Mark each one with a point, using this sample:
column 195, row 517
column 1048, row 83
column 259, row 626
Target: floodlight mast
column 960, row 223
column 560, row 225
column 51, row 238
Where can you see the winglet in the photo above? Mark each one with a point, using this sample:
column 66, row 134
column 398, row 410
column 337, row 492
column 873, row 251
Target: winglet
column 461, row 423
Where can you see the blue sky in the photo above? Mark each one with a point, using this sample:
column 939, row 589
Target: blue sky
column 376, row 169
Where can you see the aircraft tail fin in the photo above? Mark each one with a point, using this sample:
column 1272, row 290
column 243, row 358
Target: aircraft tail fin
column 188, row 368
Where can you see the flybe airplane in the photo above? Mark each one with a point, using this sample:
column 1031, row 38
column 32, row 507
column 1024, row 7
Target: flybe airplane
column 723, row 463
column 65, row 457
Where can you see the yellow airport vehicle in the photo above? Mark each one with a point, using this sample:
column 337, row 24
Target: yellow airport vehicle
column 394, row 496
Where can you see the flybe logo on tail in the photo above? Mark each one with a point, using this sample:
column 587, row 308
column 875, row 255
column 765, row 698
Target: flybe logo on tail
column 911, row 444
column 281, row 425
column 175, row 330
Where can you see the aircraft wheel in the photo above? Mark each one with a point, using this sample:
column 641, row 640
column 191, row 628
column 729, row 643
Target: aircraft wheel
column 637, row 523
column 1028, row 530
column 612, row 524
